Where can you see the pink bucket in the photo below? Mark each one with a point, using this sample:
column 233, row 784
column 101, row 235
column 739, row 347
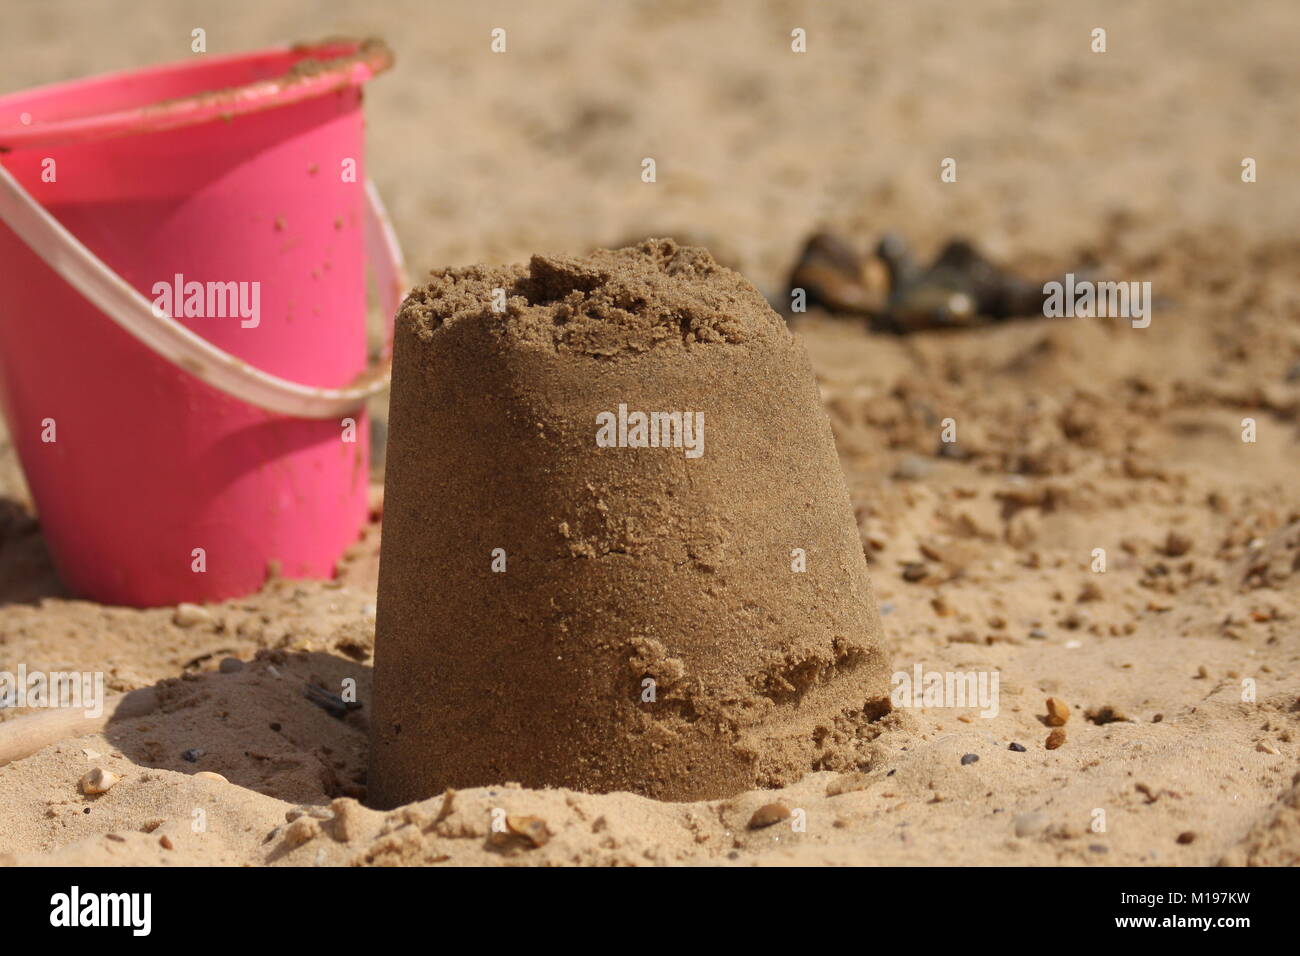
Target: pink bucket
column 179, row 448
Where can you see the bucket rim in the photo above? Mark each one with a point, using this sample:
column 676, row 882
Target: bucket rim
column 318, row 68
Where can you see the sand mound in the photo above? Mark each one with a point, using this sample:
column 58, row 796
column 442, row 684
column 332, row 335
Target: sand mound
column 608, row 303
column 619, row 553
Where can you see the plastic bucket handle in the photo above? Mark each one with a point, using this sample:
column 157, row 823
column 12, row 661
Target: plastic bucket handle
column 120, row 301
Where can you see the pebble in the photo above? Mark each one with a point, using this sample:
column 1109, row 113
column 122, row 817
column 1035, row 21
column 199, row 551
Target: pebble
column 189, row 615
column 1018, row 748
column 166, row 842
column 967, row 759
column 1038, row 634
column 1089, row 592
column 767, row 815
column 1055, row 739
column 332, row 704
column 848, row 783
column 932, row 551
column 230, row 665
column 914, row 571
column 1027, row 824
column 532, row 829
column 209, row 775
column 1177, row 545
column 1057, row 712
column 98, row 781
column 1266, row 748
column 319, row 813
column 1187, row 836
column 193, row 754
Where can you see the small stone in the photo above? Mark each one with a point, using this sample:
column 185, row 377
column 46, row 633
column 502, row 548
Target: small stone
column 318, row 813
column 166, row 842
column 848, row 783
column 1027, row 824
column 1265, row 747
column 193, row 754
column 1057, row 712
column 190, row 615
column 1055, row 739
column 1038, row 634
column 1098, row 848
column 532, row 829
column 209, row 775
column 931, row 551
column 1187, row 836
column 1089, row 592
column 767, row 815
column 1177, row 545
column 1018, row 748
column 968, row 759
column 98, row 781
column 230, row 665
column 915, row 571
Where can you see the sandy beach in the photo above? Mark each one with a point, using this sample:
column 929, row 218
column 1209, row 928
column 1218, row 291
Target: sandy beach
column 1173, row 448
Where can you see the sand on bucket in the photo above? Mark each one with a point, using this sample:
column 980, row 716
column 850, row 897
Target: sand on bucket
column 618, row 550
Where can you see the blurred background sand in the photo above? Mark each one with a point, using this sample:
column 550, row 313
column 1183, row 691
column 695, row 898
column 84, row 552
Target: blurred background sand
column 491, row 157
column 1076, row 434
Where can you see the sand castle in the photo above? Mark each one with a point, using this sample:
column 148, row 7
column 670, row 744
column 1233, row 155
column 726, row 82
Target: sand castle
column 618, row 550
